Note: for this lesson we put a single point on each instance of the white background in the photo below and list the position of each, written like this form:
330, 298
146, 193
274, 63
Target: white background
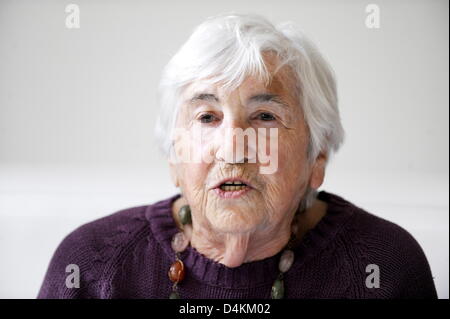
77, 109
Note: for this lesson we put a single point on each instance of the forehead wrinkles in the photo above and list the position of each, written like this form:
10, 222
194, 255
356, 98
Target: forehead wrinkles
281, 81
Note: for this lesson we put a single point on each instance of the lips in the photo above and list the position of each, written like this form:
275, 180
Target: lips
232, 188
231, 184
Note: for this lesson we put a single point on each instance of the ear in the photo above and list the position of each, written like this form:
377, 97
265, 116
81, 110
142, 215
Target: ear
318, 171
174, 174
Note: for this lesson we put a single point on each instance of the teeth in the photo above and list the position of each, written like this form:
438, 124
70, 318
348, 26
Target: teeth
233, 183
228, 188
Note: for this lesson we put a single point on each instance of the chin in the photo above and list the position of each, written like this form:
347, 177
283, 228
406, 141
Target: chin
235, 221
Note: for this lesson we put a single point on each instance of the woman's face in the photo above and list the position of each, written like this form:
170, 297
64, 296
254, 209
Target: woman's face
259, 201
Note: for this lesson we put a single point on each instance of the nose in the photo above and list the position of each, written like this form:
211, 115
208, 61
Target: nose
235, 140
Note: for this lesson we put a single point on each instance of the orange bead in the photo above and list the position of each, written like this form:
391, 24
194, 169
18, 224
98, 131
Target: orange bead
176, 271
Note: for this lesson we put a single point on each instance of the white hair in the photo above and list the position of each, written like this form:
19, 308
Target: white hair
229, 47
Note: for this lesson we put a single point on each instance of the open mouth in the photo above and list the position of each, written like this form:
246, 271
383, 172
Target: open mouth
233, 186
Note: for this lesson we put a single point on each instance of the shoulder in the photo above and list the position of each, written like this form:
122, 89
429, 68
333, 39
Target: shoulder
109, 230
365, 227
384, 238
375, 241
88, 252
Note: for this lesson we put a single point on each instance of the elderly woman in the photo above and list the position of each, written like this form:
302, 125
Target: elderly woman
249, 121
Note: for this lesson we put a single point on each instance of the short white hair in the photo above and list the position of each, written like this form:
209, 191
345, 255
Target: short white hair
229, 47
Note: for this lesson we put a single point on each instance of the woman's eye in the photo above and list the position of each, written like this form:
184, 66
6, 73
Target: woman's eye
266, 117
207, 118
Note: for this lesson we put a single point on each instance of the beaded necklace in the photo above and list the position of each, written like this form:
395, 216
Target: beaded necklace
180, 242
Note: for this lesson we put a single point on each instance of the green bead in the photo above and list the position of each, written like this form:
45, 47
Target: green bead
278, 289
185, 215
174, 295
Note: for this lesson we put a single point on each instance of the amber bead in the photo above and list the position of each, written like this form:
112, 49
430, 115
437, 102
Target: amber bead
176, 271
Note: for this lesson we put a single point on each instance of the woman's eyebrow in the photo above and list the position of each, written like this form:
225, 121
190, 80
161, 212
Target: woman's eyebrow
258, 98
204, 97
267, 97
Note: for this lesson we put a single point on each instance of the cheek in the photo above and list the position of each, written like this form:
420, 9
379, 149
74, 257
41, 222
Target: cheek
291, 178
292, 157
192, 181
193, 174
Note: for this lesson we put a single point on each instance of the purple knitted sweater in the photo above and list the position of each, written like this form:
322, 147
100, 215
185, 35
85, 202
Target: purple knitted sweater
128, 254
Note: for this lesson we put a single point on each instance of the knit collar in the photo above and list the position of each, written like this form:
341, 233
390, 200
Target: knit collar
252, 274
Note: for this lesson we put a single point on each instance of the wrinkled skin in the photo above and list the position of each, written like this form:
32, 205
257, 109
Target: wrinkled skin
256, 225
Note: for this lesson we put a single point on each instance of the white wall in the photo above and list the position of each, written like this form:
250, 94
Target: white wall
77, 109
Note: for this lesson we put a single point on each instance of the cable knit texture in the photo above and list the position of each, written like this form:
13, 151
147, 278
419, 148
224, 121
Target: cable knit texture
128, 254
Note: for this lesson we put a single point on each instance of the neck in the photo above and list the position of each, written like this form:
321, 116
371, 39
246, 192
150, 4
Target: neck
234, 249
